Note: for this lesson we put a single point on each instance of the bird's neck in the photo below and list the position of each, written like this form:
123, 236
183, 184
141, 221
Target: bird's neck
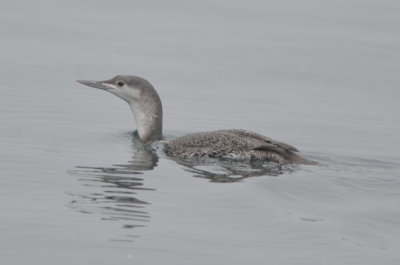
148, 116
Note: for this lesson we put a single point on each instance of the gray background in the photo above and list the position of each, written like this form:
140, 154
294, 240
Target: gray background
321, 75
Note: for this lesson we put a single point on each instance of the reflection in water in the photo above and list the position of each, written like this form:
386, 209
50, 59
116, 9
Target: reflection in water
114, 191
228, 170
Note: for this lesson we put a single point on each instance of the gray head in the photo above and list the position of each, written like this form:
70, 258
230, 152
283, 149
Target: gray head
143, 100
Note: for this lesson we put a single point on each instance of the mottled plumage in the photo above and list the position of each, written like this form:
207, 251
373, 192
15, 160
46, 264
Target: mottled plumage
233, 144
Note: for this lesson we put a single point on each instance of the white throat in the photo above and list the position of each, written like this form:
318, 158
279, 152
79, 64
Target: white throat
148, 117
140, 118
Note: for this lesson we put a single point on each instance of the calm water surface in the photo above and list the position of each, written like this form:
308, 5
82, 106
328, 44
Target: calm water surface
76, 187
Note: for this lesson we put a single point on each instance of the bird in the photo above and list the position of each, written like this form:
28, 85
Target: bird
146, 107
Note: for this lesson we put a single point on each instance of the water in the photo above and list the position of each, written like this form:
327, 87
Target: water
320, 75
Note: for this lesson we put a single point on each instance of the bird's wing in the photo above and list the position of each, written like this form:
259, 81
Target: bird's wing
264, 139
226, 141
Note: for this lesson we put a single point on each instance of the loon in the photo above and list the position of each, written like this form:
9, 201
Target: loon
146, 106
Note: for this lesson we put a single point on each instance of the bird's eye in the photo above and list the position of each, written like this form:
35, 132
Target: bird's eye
120, 83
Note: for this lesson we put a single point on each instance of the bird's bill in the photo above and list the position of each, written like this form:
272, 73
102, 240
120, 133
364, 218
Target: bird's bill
95, 84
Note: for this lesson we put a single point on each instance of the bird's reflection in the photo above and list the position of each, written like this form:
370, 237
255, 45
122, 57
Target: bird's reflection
114, 192
228, 171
